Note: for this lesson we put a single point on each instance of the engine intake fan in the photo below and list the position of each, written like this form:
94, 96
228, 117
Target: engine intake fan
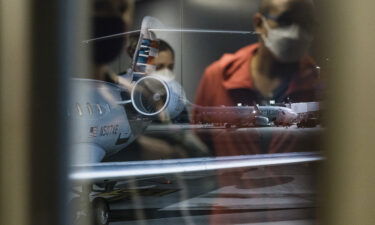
154, 95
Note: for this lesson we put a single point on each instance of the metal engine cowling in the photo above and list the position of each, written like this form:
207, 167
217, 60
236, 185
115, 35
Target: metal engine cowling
156, 96
261, 121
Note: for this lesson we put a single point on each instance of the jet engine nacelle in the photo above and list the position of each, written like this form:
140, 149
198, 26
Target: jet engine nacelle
261, 121
156, 96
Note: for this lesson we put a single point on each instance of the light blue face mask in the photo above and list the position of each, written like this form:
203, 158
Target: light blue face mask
287, 44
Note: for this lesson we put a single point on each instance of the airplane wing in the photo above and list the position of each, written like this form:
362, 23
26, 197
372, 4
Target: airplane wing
115, 171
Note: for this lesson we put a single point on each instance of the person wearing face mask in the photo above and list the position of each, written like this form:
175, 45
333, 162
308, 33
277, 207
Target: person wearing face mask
276, 68
164, 61
176, 144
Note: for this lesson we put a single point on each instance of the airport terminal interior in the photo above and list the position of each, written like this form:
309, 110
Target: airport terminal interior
191, 112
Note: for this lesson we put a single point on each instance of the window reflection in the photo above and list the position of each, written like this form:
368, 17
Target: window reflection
231, 99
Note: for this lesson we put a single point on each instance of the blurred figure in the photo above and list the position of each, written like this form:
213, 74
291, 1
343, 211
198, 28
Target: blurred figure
276, 68
164, 62
170, 145
109, 17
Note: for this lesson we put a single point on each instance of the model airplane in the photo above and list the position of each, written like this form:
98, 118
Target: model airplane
245, 116
106, 117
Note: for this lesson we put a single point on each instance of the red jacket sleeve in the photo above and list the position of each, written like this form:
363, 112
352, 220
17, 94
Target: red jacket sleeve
201, 96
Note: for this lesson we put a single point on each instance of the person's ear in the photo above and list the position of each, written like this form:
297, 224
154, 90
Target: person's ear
258, 23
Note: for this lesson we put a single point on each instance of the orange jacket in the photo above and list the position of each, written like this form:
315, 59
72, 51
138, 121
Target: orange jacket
228, 81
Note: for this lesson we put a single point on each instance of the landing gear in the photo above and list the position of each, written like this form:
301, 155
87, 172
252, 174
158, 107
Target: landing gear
86, 209
100, 211
107, 186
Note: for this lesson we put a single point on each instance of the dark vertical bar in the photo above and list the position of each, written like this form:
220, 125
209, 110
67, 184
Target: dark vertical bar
47, 143
55, 37
349, 176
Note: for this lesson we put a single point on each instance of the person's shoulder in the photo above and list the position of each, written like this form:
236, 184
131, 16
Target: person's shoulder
229, 61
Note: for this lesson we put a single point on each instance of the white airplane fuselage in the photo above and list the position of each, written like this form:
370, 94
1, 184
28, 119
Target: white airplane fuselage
100, 125
278, 114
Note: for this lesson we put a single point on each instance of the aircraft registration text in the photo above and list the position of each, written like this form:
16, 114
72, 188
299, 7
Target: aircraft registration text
104, 130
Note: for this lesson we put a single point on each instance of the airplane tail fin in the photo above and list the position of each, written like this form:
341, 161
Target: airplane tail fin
146, 49
256, 108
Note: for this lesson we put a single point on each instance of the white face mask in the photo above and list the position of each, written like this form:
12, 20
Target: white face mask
287, 44
166, 73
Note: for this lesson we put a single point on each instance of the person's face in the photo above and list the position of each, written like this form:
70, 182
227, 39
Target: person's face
286, 29
285, 13
164, 60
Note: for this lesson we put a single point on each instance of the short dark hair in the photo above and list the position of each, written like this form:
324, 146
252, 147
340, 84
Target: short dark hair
164, 46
